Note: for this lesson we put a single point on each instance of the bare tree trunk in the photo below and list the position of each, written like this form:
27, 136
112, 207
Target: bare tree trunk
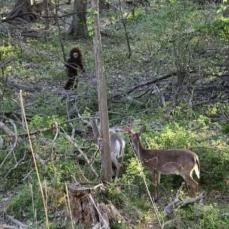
104, 5
57, 6
123, 20
78, 28
102, 98
46, 9
22, 10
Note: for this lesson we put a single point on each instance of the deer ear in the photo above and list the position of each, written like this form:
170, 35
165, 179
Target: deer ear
127, 130
135, 136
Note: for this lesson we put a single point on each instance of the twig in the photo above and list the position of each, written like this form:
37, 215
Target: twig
56, 135
7, 226
151, 82
123, 20
80, 151
105, 223
162, 97
177, 203
69, 207
17, 222
59, 30
144, 93
6, 62
6, 129
13, 134
16, 165
13, 84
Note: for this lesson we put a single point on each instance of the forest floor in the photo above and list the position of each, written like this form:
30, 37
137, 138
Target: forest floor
195, 116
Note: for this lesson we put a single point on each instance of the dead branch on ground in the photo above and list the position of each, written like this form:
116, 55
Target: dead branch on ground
6, 62
12, 134
80, 151
177, 203
16, 222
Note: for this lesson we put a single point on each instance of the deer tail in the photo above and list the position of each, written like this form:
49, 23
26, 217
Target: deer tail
197, 167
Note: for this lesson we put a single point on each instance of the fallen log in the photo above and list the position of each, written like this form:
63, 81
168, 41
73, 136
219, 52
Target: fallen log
177, 203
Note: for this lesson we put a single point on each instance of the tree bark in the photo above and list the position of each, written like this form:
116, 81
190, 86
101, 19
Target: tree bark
104, 5
102, 98
46, 10
22, 10
78, 28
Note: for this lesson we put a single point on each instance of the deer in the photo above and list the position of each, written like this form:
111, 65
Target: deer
117, 144
173, 161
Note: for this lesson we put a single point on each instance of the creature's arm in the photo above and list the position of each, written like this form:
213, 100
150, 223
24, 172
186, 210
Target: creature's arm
81, 66
67, 64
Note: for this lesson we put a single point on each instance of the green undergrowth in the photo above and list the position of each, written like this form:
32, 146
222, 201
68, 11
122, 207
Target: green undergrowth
154, 35
61, 165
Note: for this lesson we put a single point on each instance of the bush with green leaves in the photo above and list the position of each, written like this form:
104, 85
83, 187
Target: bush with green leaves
201, 217
214, 167
27, 204
172, 135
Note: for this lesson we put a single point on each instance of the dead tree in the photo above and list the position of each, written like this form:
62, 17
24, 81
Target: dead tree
84, 210
78, 28
102, 98
22, 12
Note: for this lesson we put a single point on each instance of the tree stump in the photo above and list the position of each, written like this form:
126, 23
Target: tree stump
85, 211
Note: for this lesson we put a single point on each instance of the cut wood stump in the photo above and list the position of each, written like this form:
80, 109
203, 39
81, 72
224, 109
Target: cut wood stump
85, 211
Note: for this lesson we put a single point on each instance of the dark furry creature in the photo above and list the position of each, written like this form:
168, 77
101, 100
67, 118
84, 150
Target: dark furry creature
74, 63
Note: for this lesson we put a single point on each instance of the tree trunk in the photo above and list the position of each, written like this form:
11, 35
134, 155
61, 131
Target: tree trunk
103, 5
46, 9
102, 98
22, 11
78, 28
84, 210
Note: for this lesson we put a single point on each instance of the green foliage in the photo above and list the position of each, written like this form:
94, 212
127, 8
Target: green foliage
172, 136
62, 146
7, 105
61, 172
132, 176
113, 194
47, 121
225, 127
211, 218
12, 174
6, 51
214, 167
132, 172
172, 35
91, 14
47, 104
27, 204
220, 28
21, 205
207, 216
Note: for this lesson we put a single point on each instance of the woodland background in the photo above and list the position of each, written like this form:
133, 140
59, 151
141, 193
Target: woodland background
166, 65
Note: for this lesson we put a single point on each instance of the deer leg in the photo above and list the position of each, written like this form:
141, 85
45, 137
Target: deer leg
191, 183
117, 166
156, 181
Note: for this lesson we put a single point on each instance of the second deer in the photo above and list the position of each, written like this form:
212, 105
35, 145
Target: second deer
117, 144
179, 162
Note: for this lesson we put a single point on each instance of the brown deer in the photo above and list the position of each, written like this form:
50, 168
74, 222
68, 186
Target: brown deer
179, 162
